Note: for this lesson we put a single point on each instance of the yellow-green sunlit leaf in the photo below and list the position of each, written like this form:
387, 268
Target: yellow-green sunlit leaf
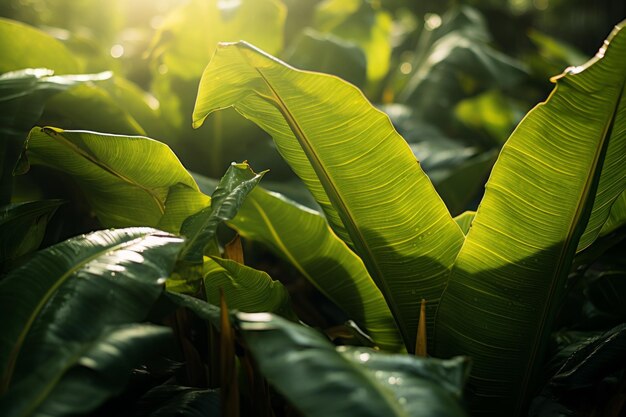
337, 143
549, 194
127, 180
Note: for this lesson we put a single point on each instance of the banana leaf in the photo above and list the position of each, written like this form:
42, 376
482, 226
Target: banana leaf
303, 238
201, 227
23, 95
69, 341
548, 196
617, 216
593, 361
89, 107
245, 289
337, 142
321, 380
464, 220
22, 227
127, 180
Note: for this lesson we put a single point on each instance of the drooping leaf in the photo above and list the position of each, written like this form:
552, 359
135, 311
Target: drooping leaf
23, 46
22, 227
127, 180
337, 143
303, 238
555, 178
321, 380
101, 371
69, 307
207, 312
245, 289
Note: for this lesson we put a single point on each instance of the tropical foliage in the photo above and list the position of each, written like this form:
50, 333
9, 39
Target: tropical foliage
363, 271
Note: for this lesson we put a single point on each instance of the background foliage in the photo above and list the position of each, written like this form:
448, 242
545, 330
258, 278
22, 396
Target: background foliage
455, 79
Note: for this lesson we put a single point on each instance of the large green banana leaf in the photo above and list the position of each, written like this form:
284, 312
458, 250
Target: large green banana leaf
127, 180
555, 181
321, 380
360, 171
67, 315
303, 238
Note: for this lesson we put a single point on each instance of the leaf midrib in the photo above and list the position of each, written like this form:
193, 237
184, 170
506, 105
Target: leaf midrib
331, 189
103, 166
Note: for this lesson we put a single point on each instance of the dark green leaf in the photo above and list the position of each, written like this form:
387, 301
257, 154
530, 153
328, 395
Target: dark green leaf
200, 228
455, 61
315, 51
320, 380
596, 359
64, 308
23, 95
207, 312
101, 372
178, 401
22, 227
